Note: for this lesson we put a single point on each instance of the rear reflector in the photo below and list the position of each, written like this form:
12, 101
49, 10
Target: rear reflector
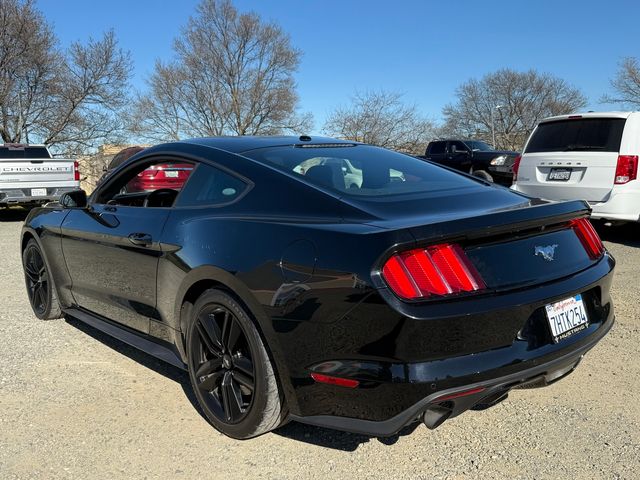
588, 237
626, 169
76, 171
341, 382
464, 393
516, 167
437, 270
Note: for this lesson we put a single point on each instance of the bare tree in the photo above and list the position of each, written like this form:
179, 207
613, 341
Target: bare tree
626, 84
70, 100
508, 104
233, 74
381, 118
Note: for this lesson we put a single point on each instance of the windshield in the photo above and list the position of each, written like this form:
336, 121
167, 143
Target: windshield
582, 134
362, 170
478, 145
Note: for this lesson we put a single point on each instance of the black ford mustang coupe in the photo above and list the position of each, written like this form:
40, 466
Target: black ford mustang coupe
324, 281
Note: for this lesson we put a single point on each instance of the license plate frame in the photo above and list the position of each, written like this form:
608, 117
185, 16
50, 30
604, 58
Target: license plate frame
38, 192
566, 317
559, 174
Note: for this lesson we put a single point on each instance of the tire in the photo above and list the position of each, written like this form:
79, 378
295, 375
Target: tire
230, 370
483, 175
40, 287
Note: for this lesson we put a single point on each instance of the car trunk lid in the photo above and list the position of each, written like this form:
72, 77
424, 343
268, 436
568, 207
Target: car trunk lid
509, 248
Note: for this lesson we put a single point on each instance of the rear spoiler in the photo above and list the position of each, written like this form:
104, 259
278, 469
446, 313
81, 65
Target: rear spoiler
502, 222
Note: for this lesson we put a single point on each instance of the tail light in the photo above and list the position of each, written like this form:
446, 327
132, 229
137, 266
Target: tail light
150, 172
437, 270
76, 171
588, 237
626, 169
516, 167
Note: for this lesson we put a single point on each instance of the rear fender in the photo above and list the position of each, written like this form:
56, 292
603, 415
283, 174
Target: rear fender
239, 290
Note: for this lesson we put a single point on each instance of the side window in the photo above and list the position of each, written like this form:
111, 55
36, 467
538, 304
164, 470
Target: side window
153, 183
457, 147
437, 148
210, 186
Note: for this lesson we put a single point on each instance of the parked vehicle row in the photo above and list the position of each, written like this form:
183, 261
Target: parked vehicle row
288, 294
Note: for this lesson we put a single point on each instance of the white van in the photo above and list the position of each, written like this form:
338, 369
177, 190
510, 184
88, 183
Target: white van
589, 156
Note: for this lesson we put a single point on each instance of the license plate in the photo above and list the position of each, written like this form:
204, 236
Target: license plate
567, 317
559, 174
170, 174
38, 192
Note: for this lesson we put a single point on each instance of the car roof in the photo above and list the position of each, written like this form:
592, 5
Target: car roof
246, 143
612, 114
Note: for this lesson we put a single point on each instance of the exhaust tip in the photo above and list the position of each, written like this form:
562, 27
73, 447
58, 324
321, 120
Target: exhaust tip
435, 416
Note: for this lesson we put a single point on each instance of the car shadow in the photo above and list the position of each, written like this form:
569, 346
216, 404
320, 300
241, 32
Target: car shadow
335, 439
138, 356
323, 437
13, 214
625, 234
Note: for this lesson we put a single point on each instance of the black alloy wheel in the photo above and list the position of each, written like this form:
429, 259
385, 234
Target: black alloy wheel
40, 289
230, 369
224, 367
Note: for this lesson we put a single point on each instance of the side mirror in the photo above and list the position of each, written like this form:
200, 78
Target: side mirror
74, 199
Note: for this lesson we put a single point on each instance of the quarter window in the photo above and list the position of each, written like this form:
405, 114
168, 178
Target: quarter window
210, 186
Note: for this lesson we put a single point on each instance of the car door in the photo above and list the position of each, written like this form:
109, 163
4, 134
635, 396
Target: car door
112, 249
437, 152
458, 156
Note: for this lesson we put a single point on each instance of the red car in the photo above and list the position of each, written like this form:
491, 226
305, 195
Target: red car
164, 175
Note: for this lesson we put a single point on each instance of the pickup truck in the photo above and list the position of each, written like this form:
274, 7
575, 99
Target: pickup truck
30, 175
474, 157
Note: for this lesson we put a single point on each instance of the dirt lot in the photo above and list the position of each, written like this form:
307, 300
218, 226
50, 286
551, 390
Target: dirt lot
77, 404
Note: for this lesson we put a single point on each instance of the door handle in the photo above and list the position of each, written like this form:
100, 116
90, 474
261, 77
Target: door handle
141, 239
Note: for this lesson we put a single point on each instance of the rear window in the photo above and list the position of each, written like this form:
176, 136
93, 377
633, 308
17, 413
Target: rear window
578, 135
362, 171
23, 152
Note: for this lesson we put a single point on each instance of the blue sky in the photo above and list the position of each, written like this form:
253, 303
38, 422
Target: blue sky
423, 49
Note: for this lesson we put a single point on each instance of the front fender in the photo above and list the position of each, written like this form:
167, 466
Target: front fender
43, 225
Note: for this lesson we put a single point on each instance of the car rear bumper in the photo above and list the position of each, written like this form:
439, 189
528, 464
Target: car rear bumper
23, 196
494, 343
622, 203
623, 206
445, 404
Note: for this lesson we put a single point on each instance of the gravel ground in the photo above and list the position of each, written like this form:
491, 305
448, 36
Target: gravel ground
77, 404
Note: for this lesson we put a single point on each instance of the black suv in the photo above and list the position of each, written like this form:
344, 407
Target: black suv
475, 157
